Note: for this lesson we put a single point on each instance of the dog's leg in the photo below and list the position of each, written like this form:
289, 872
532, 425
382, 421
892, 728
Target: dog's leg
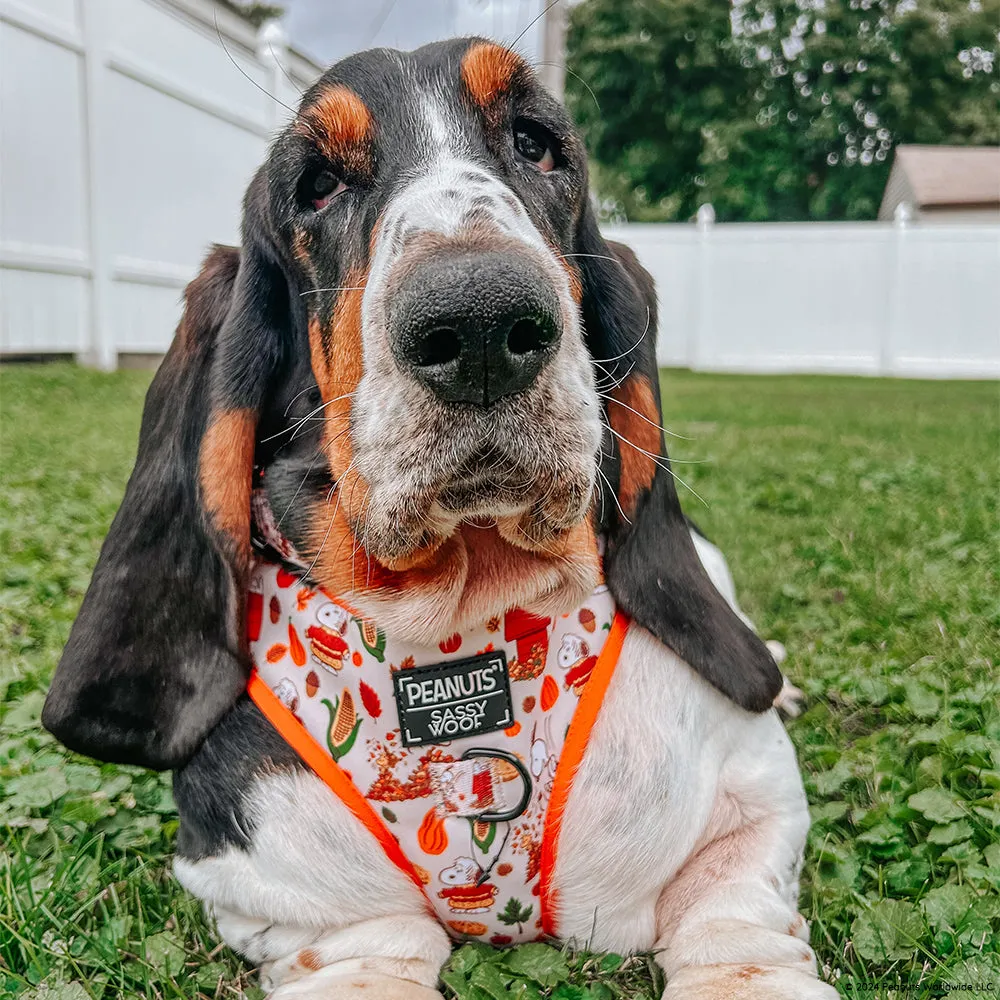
392, 958
728, 927
311, 899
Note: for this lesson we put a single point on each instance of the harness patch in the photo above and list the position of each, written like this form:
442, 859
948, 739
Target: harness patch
448, 701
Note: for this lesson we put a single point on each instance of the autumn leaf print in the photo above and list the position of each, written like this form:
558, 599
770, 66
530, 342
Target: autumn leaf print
515, 913
370, 700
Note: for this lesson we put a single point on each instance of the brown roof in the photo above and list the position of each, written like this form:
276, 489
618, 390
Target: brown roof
951, 175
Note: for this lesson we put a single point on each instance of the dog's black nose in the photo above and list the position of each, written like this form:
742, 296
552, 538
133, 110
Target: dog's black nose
474, 325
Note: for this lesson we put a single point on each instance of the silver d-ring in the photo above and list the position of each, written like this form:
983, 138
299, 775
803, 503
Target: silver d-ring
504, 817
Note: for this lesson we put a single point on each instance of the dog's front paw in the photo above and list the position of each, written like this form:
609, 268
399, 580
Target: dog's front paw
329, 984
746, 982
790, 700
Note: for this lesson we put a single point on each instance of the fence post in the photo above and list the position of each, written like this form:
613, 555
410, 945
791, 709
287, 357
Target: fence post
891, 337
102, 350
700, 335
272, 51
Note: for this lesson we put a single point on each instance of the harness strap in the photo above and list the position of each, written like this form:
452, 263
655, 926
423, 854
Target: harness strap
326, 768
577, 737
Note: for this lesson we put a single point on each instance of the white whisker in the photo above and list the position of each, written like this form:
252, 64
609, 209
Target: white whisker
337, 288
659, 460
611, 490
642, 337
659, 427
335, 488
302, 420
601, 388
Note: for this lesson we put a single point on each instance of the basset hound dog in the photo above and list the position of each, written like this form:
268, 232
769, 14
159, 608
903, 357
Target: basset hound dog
401, 588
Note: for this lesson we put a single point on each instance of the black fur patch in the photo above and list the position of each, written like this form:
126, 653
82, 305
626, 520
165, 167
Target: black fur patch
210, 790
152, 663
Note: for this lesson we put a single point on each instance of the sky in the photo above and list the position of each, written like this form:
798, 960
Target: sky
330, 29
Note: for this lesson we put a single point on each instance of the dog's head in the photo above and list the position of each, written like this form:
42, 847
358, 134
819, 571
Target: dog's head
449, 380
427, 204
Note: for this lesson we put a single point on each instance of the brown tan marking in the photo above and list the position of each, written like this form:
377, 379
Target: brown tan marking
636, 422
335, 353
310, 959
341, 126
456, 580
487, 70
301, 251
336, 357
573, 273
225, 473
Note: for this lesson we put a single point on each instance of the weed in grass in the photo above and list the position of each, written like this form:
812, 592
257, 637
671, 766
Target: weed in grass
859, 517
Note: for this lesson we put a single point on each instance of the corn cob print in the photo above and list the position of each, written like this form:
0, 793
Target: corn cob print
372, 637
344, 725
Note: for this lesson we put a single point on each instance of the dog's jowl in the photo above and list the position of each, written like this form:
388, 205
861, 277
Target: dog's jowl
401, 588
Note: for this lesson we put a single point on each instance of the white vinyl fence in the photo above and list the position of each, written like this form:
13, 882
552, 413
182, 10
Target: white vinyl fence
129, 130
865, 298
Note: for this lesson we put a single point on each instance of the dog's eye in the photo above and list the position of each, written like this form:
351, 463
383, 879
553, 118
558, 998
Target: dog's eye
325, 186
535, 144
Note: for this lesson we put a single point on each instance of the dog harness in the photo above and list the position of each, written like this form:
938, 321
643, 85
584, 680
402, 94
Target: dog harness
457, 757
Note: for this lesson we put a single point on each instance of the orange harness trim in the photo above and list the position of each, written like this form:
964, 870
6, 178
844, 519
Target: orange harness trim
339, 782
326, 768
572, 756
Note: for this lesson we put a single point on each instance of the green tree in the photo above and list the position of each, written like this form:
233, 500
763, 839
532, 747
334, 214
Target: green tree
257, 13
817, 94
647, 78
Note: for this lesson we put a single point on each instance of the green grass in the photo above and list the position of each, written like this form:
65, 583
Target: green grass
859, 518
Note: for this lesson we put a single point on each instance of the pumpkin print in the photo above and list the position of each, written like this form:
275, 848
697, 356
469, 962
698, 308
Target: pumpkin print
432, 836
550, 692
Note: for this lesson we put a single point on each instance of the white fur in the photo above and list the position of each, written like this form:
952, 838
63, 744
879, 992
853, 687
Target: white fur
719, 573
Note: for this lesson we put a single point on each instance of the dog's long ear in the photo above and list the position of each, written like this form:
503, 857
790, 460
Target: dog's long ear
156, 654
651, 565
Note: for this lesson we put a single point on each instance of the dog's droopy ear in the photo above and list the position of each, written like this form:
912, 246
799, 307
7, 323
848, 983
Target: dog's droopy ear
651, 565
156, 654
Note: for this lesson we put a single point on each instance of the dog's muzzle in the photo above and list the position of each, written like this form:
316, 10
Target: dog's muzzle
474, 326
